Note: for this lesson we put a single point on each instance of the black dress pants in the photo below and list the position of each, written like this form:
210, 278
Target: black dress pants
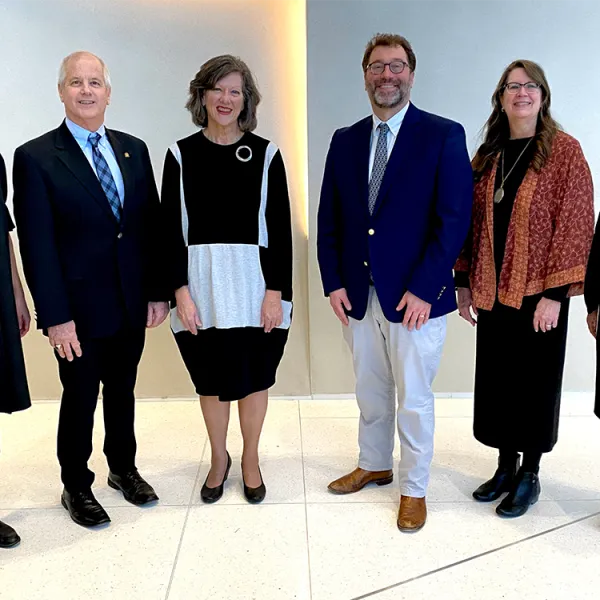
113, 362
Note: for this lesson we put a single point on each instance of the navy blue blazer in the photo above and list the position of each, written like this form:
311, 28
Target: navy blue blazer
80, 264
419, 223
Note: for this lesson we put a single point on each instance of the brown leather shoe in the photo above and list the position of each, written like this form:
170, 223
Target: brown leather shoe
412, 514
355, 481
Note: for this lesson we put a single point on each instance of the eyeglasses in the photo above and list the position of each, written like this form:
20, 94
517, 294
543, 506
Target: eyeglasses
396, 67
514, 88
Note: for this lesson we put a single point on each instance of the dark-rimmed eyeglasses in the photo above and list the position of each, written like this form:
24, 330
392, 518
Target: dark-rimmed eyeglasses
396, 67
514, 87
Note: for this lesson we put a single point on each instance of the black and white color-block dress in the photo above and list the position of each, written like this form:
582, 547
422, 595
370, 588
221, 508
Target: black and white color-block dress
229, 239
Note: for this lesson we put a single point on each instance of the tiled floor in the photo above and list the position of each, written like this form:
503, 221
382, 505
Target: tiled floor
301, 543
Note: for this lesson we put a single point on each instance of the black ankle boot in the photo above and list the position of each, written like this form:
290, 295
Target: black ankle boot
499, 484
524, 493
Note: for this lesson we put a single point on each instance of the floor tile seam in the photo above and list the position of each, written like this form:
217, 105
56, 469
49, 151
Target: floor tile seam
476, 557
185, 521
310, 594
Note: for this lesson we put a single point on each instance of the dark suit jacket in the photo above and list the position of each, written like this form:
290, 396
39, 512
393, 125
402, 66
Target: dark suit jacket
14, 393
420, 221
79, 263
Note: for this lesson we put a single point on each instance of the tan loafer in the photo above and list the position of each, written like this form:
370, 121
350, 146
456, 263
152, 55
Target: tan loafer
412, 514
355, 481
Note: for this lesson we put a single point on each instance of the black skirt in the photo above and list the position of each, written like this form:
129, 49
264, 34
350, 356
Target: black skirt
518, 378
14, 393
232, 363
597, 407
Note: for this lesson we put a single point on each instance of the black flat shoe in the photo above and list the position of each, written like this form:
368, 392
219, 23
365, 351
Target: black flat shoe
524, 493
134, 487
499, 484
255, 495
9, 538
210, 495
84, 509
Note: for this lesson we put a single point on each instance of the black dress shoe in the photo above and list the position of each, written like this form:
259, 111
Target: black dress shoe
255, 495
499, 484
210, 495
84, 508
134, 487
8, 536
524, 493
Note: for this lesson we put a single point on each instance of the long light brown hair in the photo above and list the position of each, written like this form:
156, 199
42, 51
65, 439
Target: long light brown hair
496, 131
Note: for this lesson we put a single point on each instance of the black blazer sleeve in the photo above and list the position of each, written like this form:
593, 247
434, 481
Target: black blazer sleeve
592, 278
276, 259
156, 278
35, 220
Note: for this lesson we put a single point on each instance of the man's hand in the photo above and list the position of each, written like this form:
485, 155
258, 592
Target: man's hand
157, 313
592, 322
417, 311
63, 338
339, 300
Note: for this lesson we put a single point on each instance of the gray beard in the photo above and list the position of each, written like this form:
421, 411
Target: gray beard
387, 101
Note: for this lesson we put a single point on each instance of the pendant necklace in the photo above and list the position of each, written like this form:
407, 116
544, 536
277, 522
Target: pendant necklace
500, 191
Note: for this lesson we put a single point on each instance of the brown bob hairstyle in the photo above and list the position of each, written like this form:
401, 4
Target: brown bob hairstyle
496, 131
210, 73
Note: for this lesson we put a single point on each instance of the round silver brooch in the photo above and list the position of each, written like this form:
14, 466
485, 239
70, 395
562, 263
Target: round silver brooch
244, 153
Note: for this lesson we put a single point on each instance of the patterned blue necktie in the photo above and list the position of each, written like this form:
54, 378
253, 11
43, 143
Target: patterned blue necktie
105, 176
379, 163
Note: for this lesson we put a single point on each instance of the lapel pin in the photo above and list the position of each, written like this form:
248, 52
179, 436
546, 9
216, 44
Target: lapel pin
126, 154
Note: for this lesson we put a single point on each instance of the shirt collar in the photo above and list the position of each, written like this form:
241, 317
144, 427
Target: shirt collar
81, 134
394, 123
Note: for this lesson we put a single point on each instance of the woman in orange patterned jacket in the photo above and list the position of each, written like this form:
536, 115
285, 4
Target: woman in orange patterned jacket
526, 255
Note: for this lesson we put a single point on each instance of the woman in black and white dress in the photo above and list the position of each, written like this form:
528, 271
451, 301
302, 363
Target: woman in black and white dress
227, 214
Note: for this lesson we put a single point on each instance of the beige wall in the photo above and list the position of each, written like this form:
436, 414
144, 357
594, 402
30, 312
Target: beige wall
153, 49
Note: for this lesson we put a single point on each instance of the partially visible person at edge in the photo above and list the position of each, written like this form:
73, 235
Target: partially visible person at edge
592, 301
14, 324
228, 227
532, 226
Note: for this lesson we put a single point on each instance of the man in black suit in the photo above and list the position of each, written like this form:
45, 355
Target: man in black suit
86, 207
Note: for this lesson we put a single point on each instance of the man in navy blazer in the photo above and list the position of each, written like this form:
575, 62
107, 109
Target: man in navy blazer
86, 207
394, 212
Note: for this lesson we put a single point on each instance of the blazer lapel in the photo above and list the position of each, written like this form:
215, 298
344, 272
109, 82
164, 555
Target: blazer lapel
75, 160
405, 145
123, 155
361, 154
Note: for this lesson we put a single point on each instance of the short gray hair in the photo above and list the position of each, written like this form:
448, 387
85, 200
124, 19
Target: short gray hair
64, 65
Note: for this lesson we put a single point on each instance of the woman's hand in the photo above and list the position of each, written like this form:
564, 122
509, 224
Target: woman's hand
271, 315
23, 315
546, 315
187, 311
592, 321
466, 309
